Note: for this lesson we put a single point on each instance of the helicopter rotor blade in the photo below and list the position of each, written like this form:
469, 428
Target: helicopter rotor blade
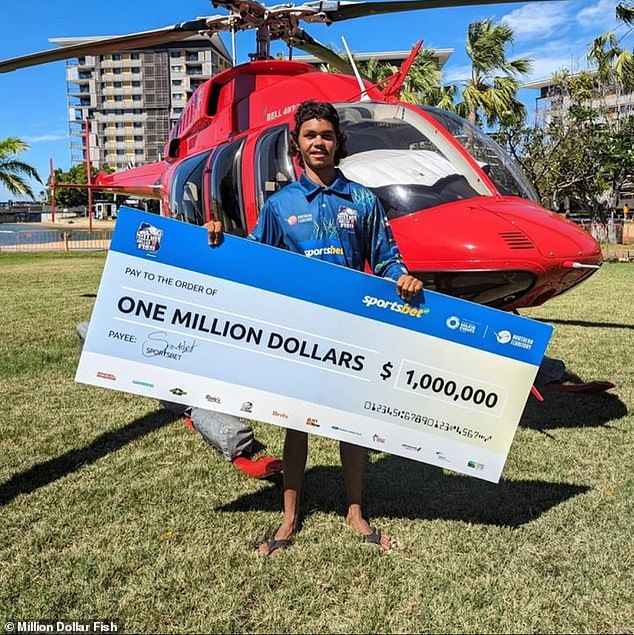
98, 46
335, 11
302, 40
279, 21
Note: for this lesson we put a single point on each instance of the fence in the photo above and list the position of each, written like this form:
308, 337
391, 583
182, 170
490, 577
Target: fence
54, 240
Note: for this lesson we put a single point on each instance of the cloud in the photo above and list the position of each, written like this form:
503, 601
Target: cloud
599, 17
539, 21
456, 74
45, 138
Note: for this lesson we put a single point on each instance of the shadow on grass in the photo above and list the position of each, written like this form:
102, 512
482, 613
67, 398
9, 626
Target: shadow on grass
603, 325
49, 471
571, 409
400, 488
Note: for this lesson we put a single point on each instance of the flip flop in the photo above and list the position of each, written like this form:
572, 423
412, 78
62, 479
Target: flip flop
272, 544
374, 538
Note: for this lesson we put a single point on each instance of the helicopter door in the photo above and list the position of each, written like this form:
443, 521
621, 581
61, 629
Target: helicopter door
186, 196
226, 188
273, 165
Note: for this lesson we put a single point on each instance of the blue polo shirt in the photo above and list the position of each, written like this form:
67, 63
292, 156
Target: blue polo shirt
343, 223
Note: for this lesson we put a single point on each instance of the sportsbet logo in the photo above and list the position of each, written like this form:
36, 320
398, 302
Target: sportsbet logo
370, 300
324, 251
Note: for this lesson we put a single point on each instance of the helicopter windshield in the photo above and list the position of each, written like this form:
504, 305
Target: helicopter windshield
404, 159
501, 169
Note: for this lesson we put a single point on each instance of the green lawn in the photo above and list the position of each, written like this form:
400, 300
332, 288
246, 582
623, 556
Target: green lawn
111, 508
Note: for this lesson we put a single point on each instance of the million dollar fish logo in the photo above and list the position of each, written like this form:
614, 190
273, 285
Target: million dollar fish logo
148, 237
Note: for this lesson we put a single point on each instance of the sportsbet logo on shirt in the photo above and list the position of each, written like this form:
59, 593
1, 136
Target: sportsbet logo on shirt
331, 250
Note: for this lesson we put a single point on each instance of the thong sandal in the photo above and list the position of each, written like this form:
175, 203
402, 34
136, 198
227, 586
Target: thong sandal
272, 545
374, 538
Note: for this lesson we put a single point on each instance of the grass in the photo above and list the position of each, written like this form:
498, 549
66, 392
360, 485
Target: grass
111, 508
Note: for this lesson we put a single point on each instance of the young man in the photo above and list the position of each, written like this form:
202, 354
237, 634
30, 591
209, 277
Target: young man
342, 222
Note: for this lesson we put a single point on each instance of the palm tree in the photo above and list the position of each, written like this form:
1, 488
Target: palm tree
422, 84
625, 13
614, 63
492, 88
13, 173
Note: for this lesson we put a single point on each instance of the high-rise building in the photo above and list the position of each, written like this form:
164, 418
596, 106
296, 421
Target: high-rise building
131, 99
553, 104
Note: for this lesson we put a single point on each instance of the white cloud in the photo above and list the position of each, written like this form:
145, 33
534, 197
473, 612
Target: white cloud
45, 138
456, 74
538, 20
599, 16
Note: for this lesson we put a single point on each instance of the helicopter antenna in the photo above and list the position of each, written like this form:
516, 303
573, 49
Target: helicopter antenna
364, 93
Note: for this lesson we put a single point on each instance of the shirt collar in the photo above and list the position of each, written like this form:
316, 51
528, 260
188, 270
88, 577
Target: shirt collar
340, 185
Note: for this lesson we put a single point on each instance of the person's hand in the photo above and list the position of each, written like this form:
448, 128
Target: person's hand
214, 232
408, 286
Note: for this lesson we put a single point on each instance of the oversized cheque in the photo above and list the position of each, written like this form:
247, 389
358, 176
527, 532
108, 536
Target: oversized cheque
274, 336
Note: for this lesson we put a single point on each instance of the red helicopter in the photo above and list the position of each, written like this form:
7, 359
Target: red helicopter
466, 219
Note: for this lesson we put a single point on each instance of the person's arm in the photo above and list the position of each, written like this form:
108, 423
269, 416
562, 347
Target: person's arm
385, 258
267, 230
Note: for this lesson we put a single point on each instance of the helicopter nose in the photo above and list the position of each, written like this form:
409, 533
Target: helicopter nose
506, 254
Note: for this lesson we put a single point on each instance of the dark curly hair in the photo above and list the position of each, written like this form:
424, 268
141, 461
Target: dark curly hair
308, 110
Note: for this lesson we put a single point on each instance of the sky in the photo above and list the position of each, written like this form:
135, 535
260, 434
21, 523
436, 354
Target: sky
33, 102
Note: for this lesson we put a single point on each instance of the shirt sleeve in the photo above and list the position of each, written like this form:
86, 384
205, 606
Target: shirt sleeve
267, 230
382, 251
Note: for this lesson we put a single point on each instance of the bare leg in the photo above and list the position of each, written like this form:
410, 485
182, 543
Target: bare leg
353, 463
295, 455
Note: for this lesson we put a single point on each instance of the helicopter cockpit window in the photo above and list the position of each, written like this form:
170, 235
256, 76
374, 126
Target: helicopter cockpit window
501, 169
404, 159
226, 188
273, 165
186, 196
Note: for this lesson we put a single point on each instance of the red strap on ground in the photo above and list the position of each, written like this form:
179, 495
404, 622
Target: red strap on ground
261, 467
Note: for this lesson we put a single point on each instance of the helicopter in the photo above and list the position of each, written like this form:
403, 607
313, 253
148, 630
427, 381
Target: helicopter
466, 220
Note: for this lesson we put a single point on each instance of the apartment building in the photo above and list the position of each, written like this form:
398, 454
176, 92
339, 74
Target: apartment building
552, 103
130, 100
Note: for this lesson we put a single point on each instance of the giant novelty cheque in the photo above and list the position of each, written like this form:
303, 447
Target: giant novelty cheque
274, 336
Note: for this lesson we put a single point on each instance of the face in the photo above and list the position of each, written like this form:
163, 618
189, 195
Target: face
317, 144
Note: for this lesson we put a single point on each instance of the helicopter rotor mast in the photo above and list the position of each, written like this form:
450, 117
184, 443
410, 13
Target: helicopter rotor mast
278, 22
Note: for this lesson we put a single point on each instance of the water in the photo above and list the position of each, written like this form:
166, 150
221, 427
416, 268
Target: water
31, 233
15, 227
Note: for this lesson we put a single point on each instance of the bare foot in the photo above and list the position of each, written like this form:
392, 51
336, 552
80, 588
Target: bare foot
371, 535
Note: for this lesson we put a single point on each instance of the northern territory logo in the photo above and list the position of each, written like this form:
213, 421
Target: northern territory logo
148, 237
520, 341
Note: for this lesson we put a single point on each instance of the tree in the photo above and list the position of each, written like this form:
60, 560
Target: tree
580, 154
422, 84
615, 64
13, 173
74, 196
491, 90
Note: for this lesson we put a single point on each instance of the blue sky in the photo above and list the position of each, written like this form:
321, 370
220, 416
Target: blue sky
33, 102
